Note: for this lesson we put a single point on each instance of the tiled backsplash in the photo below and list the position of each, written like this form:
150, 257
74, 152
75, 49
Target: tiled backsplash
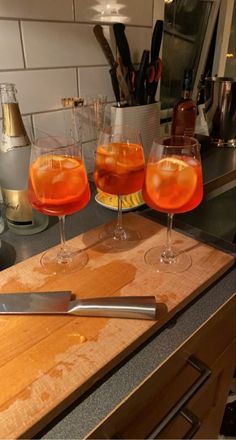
48, 49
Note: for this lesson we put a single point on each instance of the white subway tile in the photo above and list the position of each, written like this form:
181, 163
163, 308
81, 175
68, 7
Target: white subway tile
94, 81
37, 9
60, 44
139, 39
67, 121
42, 90
54, 123
89, 149
138, 12
11, 56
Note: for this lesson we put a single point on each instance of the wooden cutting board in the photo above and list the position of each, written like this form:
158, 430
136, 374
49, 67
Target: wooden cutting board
44, 363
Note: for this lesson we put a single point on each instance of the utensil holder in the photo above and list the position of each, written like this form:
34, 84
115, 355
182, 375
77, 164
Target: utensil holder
146, 118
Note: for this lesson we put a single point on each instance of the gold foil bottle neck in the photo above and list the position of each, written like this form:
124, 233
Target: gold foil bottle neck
12, 121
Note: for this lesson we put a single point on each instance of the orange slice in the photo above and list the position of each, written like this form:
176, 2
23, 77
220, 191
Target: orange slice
172, 164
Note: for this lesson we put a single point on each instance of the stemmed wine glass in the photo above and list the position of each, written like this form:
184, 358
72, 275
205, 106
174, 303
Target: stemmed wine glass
173, 184
119, 170
58, 186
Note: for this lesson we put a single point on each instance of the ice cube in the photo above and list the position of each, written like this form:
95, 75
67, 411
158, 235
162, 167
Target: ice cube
58, 178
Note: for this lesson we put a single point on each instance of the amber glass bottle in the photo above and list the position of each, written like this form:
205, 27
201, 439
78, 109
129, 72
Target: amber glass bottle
185, 110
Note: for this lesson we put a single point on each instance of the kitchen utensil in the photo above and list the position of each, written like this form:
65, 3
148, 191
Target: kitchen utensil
153, 75
156, 40
98, 32
141, 78
155, 67
59, 302
123, 46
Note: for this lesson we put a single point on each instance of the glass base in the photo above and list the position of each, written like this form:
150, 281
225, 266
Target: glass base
179, 261
119, 239
54, 264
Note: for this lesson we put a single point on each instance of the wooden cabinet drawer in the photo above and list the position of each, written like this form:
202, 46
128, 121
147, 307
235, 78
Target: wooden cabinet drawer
188, 380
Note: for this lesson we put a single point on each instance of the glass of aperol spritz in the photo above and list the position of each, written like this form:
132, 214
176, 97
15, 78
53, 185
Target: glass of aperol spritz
173, 184
119, 170
58, 186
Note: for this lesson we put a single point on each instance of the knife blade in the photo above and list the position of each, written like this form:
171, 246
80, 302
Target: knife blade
60, 303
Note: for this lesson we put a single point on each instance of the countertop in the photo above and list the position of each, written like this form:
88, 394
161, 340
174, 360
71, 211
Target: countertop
86, 412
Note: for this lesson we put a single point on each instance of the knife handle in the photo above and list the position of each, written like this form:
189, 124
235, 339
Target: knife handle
156, 40
98, 32
122, 43
136, 307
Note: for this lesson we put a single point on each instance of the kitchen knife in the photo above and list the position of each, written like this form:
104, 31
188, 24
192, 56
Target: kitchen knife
155, 63
98, 31
156, 40
118, 81
60, 303
153, 75
141, 78
123, 47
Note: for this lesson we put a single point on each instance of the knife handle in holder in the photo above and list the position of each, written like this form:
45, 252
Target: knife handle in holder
136, 307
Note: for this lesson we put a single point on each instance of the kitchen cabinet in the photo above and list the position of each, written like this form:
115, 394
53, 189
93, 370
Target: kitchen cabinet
185, 396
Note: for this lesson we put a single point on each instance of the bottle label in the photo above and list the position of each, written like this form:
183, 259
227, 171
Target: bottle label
17, 206
8, 143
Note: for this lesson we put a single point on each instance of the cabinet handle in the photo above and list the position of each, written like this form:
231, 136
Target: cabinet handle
194, 420
205, 372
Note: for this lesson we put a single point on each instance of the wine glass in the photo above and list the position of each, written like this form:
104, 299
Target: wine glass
58, 186
119, 170
173, 184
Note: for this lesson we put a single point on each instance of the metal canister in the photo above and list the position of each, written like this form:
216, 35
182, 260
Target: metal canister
220, 110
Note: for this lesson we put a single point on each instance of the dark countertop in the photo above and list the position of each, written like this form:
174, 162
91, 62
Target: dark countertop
86, 412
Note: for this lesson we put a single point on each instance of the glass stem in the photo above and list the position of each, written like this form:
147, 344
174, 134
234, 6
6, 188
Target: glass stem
119, 224
63, 255
119, 233
168, 255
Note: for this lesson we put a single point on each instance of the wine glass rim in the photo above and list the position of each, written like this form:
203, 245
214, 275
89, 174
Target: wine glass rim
110, 129
167, 141
72, 142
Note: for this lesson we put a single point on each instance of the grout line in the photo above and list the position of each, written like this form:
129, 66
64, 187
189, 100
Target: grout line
77, 81
91, 23
73, 8
32, 69
22, 43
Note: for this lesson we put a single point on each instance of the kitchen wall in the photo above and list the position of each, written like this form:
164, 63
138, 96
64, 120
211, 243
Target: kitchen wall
48, 49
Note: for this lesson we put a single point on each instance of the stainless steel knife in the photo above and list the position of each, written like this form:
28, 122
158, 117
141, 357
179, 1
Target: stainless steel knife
60, 302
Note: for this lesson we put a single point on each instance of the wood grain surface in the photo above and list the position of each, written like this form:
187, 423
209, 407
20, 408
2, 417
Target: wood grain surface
44, 363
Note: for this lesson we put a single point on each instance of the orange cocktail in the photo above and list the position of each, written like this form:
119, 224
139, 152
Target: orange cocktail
58, 184
119, 168
173, 184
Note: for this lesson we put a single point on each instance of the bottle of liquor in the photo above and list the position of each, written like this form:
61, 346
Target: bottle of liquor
185, 110
15, 150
